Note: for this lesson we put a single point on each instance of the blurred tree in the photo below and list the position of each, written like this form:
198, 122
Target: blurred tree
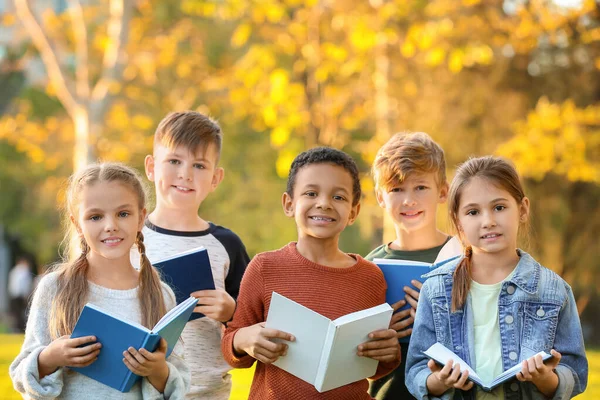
84, 90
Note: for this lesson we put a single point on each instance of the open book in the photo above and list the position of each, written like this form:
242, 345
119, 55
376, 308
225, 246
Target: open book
187, 272
117, 335
441, 354
324, 352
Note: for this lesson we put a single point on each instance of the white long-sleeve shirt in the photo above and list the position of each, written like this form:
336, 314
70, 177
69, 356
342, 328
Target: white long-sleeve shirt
70, 385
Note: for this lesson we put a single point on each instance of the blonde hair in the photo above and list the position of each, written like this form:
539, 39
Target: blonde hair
72, 290
189, 129
405, 154
498, 172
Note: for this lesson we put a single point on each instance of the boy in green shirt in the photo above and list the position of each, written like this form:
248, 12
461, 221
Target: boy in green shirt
410, 182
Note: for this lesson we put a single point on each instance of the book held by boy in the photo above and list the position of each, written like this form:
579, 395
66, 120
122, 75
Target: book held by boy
117, 335
441, 354
324, 353
400, 273
187, 272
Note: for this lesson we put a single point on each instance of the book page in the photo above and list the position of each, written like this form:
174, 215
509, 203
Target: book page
344, 366
511, 372
442, 354
308, 327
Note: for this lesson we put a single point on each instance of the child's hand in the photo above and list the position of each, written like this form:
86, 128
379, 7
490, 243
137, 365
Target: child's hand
216, 304
541, 375
444, 378
383, 346
401, 320
152, 365
412, 295
65, 352
255, 341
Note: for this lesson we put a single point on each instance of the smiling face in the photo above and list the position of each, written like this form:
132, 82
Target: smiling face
489, 217
109, 218
322, 201
413, 203
183, 179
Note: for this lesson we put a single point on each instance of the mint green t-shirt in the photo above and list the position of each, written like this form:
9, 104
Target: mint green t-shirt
487, 346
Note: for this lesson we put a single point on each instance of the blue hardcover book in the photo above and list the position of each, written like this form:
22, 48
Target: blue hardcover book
399, 273
187, 272
117, 335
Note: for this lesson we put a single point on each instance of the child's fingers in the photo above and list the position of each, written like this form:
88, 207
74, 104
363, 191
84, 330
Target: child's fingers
462, 380
273, 347
204, 293
525, 371
382, 334
277, 334
133, 353
433, 366
555, 360
455, 374
389, 353
401, 325
417, 284
412, 301
445, 372
81, 351
131, 367
81, 341
85, 360
404, 333
397, 305
400, 315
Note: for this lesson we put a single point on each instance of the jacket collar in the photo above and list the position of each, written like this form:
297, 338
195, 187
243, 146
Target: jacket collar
526, 276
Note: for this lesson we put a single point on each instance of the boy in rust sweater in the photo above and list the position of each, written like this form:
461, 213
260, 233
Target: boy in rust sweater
323, 194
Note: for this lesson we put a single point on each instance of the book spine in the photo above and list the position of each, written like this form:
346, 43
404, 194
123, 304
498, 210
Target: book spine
150, 343
325, 354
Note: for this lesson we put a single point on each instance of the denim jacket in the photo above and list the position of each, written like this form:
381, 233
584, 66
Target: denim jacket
536, 311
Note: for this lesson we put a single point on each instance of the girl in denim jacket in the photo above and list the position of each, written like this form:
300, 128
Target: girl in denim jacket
495, 306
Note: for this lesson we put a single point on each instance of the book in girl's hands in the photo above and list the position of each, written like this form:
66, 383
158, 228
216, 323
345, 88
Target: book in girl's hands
324, 353
187, 272
117, 335
441, 354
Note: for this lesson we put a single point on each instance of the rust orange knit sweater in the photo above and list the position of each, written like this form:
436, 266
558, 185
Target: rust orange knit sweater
332, 292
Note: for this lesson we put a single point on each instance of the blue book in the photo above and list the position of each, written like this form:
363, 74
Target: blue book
187, 272
399, 273
117, 335
441, 354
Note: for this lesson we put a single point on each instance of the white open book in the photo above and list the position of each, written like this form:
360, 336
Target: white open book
324, 352
441, 354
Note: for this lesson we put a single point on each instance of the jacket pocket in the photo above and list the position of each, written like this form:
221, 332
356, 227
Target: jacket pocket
539, 326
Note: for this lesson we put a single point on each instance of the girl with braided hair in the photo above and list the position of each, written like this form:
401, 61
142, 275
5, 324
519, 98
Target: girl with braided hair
105, 210
496, 307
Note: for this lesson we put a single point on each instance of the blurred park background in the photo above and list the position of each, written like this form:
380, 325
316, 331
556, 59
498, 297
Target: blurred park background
82, 80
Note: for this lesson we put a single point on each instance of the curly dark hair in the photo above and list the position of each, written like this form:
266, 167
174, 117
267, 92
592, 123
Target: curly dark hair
325, 155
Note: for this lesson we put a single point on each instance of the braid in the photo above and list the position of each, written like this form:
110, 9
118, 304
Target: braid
150, 292
462, 280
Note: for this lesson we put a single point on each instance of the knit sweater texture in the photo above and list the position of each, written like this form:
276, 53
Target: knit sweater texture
332, 292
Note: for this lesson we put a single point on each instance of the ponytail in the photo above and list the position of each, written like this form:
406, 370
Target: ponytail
462, 280
150, 292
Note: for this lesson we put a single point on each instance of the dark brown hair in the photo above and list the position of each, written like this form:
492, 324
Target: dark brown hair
498, 172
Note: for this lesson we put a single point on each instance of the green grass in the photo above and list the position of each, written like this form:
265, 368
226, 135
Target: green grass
11, 344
